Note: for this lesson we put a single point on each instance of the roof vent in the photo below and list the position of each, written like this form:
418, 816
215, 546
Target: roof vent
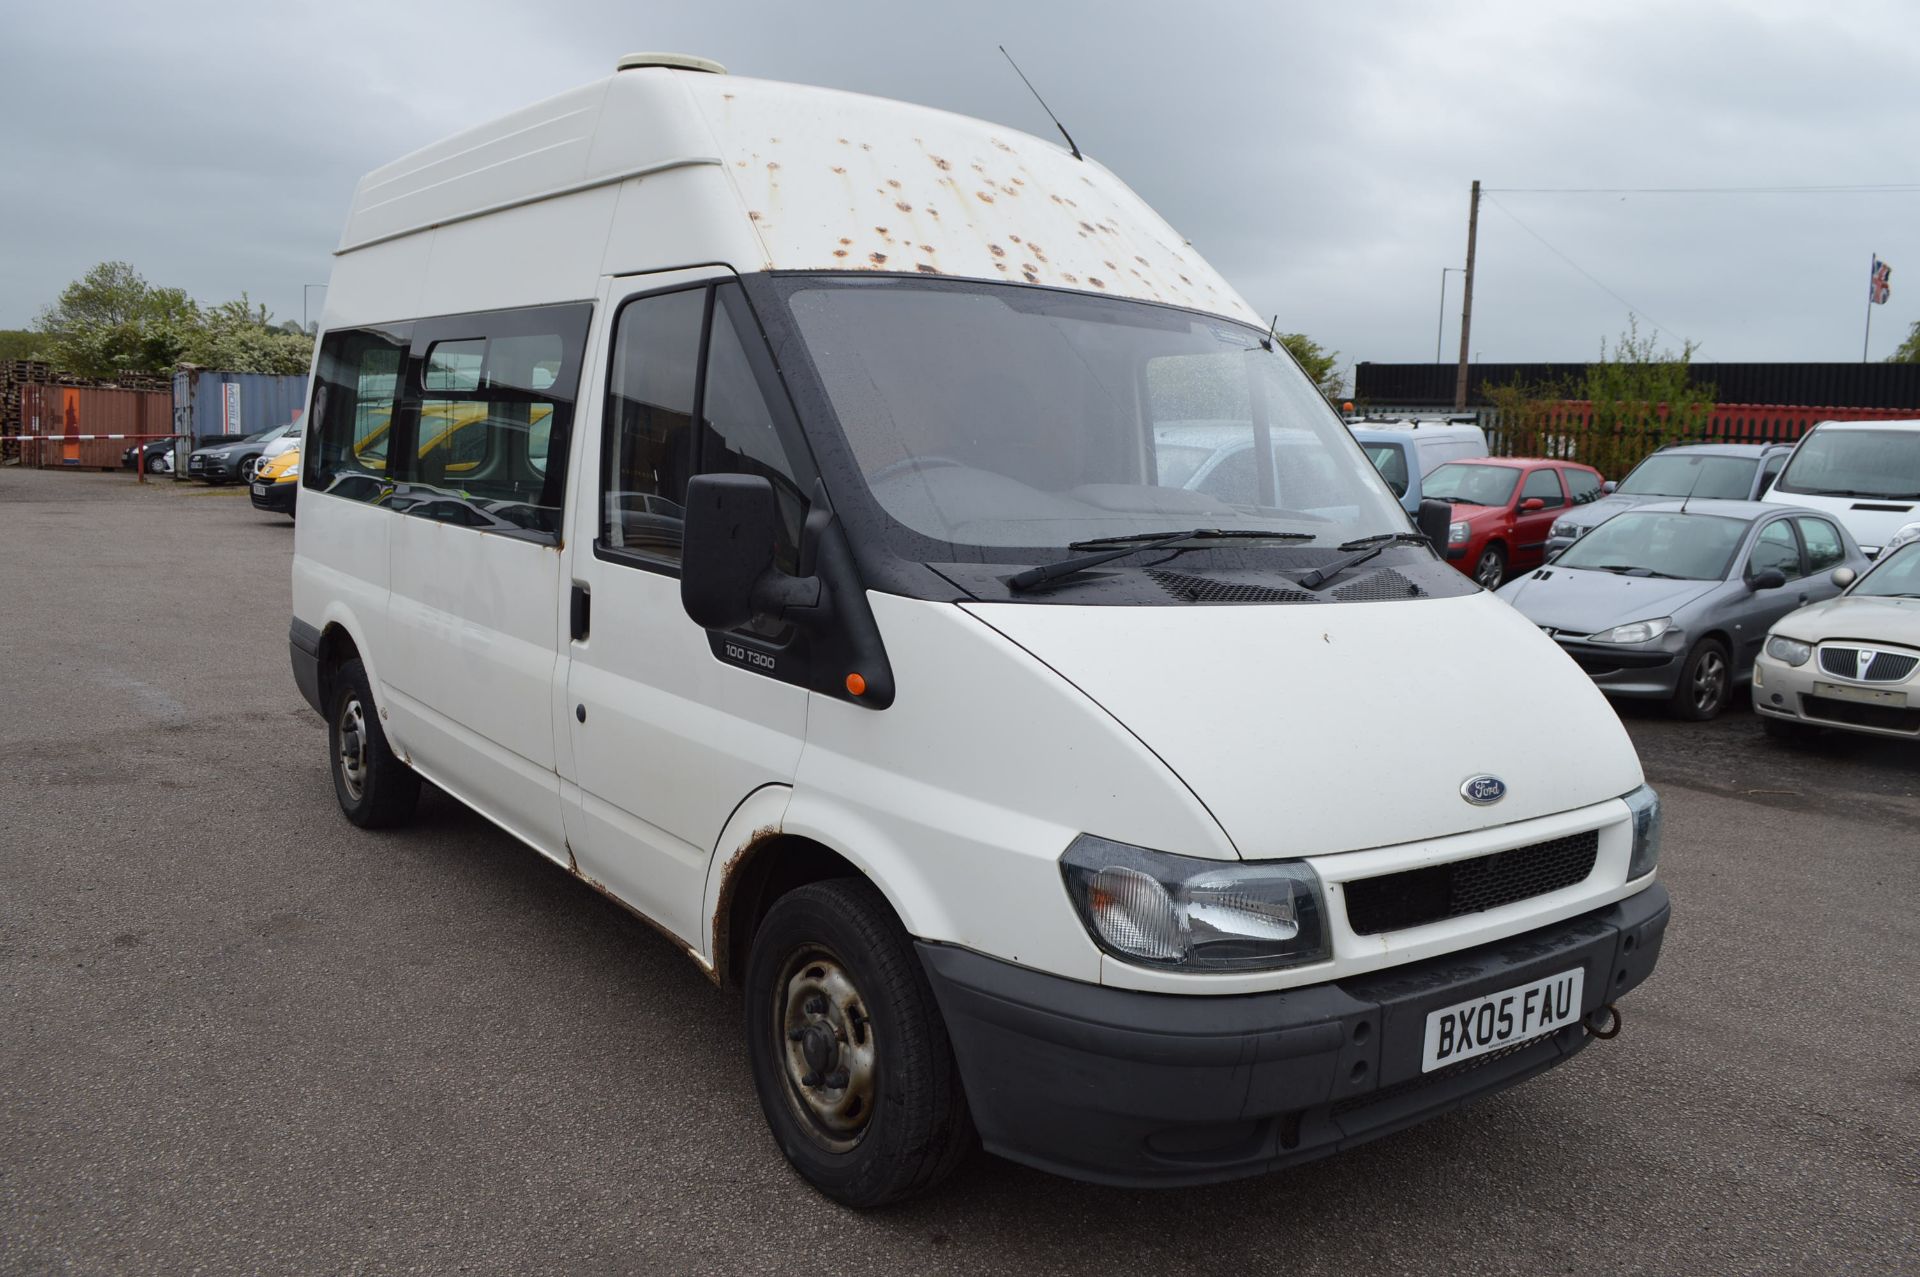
677, 61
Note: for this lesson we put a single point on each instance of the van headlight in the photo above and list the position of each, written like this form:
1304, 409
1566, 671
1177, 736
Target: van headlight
1908, 532
1791, 651
1456, 533
1156, 909
1564, 528
1645, 806
1634, 631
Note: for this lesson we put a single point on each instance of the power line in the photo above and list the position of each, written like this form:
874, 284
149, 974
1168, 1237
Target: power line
1852, 188
1588, 275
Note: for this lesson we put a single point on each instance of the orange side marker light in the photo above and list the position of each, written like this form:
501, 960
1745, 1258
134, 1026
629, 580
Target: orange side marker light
856, 686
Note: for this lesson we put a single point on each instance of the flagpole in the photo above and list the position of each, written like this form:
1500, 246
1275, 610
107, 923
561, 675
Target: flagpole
1873, 261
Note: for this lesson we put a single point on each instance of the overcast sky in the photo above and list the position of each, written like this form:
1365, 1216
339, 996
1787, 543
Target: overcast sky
1319, 155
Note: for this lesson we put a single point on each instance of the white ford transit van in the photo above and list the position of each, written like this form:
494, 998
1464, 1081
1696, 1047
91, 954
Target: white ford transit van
773, 506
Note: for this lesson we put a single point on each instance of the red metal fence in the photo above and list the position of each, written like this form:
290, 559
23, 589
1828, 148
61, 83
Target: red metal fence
1566, 429
87, 410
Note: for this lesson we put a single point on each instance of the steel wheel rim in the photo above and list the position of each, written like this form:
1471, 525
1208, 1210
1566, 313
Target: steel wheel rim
1489, 573
829, 1059
1709, 681
352, 750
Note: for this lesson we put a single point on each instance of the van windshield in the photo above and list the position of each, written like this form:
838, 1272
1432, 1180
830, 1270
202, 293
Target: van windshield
993, 417
1855, 463
1677, 474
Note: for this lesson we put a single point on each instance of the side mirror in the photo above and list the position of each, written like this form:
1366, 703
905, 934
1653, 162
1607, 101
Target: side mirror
1843, 577
1435, 520
1531, 504
1767, 579
727, 573
1608, 486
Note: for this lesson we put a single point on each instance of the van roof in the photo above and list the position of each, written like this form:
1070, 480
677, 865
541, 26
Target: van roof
822, 179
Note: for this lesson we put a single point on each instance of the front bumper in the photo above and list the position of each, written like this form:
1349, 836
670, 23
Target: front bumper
1787, 691
1149, 1089
277, 497
1649, 670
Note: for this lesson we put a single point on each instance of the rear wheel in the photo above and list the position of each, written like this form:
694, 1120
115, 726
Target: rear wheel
849, 1054
1491, 570
1706, 682
376, 790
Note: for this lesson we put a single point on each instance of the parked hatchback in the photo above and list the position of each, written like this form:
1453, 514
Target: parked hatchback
1503, 508
1672, 601
1721, 471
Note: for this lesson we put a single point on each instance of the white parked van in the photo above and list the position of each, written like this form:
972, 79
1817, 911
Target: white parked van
1866, 474
773, 506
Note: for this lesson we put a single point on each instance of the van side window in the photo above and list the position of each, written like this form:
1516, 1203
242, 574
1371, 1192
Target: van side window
658, 391
357, 385
491, 405
649, 422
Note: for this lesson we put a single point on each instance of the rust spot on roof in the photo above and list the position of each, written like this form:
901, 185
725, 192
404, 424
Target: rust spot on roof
932, 211
882, 230
865, 146
841, 171
927, 248
1070, 278
894, 182
1109, 266
1002, 145
1008, 190
1095, 281
878, 259
739, 163
925, 269
842, 141
1087, 226
753, 215
1140, 259
1033, 276
1019, 181
903, 206
1185, 280
1035, 250
1014, 238
839, 252
983, 197
846, 241
996, 250
772, 165
940, 164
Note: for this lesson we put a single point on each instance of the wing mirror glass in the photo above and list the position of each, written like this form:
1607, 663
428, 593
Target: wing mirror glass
1843, 577
727, 572
1435, 521
1767, 579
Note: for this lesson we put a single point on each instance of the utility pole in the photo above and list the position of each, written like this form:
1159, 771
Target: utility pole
1440, 325
1466, 303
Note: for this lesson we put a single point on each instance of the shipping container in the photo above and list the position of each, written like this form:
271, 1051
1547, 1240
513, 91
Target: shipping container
87, 410
209, 404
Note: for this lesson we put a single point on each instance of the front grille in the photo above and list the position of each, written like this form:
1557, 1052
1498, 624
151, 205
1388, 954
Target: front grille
1394, 902
1882, 667
1201, 589
1890, 717
1382, 587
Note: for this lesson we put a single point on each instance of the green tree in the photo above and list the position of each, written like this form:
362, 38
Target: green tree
19, 343
113, 320
1319, 364
238, 336
1909, 351
1642, 398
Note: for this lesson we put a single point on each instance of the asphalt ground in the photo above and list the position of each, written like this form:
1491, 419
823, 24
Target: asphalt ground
239, 1035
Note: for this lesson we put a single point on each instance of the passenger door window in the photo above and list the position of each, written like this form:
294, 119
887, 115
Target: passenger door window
1544, 484
358, 384
1776, 548
1825, 549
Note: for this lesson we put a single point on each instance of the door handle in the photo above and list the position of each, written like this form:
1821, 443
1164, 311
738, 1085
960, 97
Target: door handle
579, 613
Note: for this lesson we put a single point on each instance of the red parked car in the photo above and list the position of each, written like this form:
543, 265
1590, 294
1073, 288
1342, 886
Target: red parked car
1503, 508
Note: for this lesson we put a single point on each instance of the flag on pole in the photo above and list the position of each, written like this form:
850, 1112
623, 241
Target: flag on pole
1878, 287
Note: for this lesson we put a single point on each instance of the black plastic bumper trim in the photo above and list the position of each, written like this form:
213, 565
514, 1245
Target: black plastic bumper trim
1138, 1089
303, 645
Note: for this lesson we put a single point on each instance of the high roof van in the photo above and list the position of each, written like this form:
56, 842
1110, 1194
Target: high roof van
783, 510
1866, 474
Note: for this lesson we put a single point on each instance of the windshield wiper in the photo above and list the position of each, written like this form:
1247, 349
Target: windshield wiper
1460, 500
1374, 545
1624, 569
1134, 544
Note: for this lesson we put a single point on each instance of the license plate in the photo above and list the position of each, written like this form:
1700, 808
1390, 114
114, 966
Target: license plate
259, 489
1864, 695
1479, 1025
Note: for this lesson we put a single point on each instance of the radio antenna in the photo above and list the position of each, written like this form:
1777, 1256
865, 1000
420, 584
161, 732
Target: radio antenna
1042, 101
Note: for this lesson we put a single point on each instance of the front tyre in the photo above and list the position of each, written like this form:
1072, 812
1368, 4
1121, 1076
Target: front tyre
849, 1054
376, 790
1491, 570
1706, 682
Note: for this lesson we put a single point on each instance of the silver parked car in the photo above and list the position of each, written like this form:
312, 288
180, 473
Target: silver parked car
1851, 662
1723, 471
1673, 600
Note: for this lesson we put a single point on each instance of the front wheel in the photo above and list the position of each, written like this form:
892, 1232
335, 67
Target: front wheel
1491, 570
376, 790
849, 1054
1706, 682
